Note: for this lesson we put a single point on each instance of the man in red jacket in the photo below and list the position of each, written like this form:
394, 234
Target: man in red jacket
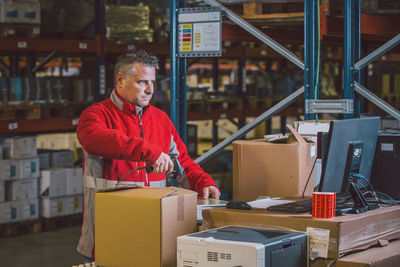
124, 132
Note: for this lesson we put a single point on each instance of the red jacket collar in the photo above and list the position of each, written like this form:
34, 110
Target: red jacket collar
126, 106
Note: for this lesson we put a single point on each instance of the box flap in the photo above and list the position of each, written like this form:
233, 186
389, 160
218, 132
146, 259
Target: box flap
147, 192
298, 137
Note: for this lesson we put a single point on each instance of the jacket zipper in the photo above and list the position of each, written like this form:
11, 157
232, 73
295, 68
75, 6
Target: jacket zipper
141, 135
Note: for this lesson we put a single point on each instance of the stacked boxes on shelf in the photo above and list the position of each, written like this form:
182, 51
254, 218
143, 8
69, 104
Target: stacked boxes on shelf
61, 183
19, 173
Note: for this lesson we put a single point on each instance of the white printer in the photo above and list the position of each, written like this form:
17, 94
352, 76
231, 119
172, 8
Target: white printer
242, 246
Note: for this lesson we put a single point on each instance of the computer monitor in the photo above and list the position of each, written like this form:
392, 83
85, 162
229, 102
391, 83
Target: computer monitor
350, 148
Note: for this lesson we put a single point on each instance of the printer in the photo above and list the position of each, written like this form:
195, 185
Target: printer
242, 246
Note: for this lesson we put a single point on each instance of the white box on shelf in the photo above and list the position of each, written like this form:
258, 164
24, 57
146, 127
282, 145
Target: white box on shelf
52, 207
62, 159
23, 147
74, 204
21, 189
24, 168
5, 170
2, 191
29, 209
53, 182
74, 181
58, 141
11, 212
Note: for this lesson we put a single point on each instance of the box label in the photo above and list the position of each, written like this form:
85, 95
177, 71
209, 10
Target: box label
33, 167
319, 242
13, 170
13, 213
32, 209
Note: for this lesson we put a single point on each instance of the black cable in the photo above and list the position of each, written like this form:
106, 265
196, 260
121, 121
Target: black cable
148, 170
309, 176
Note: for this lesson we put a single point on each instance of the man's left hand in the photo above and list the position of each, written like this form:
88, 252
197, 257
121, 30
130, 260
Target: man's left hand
211, 192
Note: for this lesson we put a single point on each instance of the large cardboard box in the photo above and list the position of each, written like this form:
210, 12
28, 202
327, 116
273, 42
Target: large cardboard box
57, 141
262, 168
140, 226
329, 238
387, 256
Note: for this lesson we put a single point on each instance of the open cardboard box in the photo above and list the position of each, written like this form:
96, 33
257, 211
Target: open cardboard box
329, 238
139, 227
262, 168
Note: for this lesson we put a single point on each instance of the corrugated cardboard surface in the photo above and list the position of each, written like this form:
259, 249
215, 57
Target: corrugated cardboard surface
138, 227
345, 232
261, 168
388, 256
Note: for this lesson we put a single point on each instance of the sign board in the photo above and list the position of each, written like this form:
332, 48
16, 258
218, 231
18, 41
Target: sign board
200, 32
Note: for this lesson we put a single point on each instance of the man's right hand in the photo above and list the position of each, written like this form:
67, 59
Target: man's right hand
163, 164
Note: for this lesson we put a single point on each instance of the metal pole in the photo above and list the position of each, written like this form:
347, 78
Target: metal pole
310, 53
377, 101
242, 132
258, 34
377, 53
174, 71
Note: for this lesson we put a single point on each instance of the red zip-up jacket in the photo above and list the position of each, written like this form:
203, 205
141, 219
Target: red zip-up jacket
117, 140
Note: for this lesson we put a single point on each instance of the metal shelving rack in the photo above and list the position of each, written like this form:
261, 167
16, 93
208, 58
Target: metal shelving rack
350, 105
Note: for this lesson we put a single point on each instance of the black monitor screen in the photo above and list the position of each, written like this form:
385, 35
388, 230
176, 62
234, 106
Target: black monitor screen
341, 134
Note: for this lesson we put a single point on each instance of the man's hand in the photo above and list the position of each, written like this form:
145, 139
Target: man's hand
163, 164
212, 192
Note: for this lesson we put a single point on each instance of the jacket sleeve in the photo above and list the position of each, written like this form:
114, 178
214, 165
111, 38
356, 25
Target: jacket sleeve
98, 139
198, 178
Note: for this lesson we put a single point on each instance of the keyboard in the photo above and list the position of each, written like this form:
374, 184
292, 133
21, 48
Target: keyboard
305, 205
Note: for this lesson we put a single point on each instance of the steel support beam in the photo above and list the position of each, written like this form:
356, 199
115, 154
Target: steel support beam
352, 50
377, 101
242, 132
258, 34
311, 49
377, 53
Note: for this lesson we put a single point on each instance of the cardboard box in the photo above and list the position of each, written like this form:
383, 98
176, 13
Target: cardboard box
73, 181
335, 236
262, 168
11, 212
141, 225
21, 189
62, 159
5, 169
44, 159
29, 209
23, 147
53, 207
57, 141
74, 204
387, 256
24, 168
20, 12
53, 182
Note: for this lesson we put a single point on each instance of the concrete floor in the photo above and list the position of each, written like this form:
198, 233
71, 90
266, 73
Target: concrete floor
46, 249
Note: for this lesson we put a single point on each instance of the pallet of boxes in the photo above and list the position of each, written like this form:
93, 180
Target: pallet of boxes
60, 182
19, 173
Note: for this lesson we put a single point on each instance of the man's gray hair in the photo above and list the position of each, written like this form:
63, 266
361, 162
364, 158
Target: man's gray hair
129, 57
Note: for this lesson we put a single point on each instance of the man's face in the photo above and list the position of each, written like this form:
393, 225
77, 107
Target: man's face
138, 87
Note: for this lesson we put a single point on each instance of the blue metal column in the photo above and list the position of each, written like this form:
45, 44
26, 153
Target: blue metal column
311, 14
352, 50
99, 63
178, 74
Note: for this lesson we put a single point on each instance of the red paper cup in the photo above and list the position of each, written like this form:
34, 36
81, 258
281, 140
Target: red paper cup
323, 205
